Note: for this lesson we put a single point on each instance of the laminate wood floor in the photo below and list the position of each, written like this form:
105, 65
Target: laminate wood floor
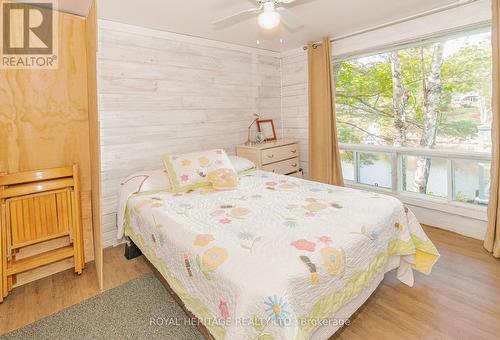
459, 300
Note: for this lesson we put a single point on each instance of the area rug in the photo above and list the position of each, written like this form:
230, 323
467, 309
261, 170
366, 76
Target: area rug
139, 309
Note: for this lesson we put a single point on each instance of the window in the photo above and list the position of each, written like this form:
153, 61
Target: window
424, 110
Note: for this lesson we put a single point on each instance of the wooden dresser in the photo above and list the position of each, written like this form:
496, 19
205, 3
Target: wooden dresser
281, 156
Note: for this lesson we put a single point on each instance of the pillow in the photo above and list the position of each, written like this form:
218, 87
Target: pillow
200, 169
152, 180
223, 179
241, 164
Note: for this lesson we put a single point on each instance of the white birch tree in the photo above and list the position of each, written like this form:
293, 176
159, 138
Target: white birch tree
432, 88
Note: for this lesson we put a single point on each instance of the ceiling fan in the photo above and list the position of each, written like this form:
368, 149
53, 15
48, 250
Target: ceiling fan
272, 13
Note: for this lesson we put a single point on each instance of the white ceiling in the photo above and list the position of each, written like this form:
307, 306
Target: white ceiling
321, 18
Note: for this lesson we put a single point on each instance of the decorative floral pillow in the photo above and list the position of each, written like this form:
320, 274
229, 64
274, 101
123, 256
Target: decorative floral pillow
199, 169
223, 179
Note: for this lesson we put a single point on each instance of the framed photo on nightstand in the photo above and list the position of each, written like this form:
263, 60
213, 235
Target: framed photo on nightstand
267, 129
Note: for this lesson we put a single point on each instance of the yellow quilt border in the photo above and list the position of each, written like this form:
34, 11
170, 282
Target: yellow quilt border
176, 186
426, 256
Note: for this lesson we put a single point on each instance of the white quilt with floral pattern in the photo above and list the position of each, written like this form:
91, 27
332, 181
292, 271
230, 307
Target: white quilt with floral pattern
279, 255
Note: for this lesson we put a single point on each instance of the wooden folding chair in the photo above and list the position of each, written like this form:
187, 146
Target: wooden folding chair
35, 207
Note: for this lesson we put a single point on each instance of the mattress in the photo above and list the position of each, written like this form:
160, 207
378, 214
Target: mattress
279, 257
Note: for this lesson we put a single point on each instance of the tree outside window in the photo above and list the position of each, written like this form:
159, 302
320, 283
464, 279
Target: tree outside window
436, 95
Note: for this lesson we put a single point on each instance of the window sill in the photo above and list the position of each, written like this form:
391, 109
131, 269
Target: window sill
455, 208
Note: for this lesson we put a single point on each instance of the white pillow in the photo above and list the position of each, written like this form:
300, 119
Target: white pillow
150, 180
241, 164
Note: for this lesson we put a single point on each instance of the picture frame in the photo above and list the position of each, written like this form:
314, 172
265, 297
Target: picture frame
266, 126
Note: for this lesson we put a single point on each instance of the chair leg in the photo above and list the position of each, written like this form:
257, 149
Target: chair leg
81, 245
77, 235
2, 294
3, 274
4, 291
79, 265
77, 253
78, 227
3, 250
10, 278
76, 257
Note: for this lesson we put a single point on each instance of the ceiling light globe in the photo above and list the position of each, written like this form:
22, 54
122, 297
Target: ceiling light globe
269, 20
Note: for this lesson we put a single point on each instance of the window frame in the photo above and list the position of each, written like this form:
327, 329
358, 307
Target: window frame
445, 204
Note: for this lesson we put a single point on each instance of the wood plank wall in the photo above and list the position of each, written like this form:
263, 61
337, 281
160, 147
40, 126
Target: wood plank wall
295, 102
44, 123
161, 92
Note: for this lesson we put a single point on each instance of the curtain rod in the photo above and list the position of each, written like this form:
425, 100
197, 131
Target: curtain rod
456, 4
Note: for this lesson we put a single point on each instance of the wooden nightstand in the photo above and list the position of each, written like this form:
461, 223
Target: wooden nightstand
281, 156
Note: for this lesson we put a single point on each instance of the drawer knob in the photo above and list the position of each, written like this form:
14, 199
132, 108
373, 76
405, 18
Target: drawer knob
294, 151
294, 165
270, 156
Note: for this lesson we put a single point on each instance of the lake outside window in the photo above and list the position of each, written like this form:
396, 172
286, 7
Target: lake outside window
423, 113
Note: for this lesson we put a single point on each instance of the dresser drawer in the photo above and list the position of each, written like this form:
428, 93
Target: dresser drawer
280, 153
283, 167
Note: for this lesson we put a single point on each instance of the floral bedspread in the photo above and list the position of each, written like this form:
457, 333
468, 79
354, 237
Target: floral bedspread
273, 258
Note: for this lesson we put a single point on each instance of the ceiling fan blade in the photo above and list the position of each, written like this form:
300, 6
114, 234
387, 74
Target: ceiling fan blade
294, 2
236, 18
289, 19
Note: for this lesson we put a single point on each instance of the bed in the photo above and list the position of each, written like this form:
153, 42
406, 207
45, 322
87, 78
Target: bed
279, 257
